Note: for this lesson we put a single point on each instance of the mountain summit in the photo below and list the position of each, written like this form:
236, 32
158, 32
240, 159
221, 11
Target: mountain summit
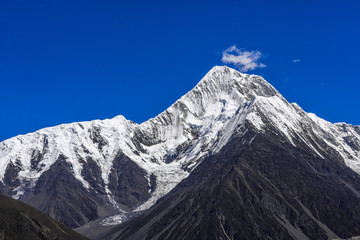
233, 139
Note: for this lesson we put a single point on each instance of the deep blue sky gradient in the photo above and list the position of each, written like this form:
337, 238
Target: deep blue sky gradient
67, 61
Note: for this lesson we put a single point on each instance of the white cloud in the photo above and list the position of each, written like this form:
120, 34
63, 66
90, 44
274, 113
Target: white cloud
243, 60
296, 60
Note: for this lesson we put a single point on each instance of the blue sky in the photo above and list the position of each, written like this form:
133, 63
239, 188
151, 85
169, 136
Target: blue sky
67, 61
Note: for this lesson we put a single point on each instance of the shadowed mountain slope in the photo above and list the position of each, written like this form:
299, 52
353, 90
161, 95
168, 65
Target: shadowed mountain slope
257, 187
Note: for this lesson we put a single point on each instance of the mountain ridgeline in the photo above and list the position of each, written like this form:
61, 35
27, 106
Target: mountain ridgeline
231, 159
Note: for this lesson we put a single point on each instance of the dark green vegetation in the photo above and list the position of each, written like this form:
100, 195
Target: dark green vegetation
19, 221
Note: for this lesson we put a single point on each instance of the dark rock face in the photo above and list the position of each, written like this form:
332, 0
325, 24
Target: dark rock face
92, 174
268, 189
128, 182
95, 135
10, 177
20, 221
38, 155
61, 196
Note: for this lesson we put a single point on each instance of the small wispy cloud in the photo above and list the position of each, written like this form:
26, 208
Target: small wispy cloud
242, 59
296, 60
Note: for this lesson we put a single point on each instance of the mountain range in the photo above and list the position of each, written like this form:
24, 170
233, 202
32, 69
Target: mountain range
231, 159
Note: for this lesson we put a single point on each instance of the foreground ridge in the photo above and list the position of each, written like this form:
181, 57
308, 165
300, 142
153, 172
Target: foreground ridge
20, 221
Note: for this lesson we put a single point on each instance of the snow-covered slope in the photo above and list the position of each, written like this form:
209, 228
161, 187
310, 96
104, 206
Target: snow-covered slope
168, 147
197, 118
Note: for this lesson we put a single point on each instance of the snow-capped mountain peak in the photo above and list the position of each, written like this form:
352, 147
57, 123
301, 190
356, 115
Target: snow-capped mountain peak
165, 149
